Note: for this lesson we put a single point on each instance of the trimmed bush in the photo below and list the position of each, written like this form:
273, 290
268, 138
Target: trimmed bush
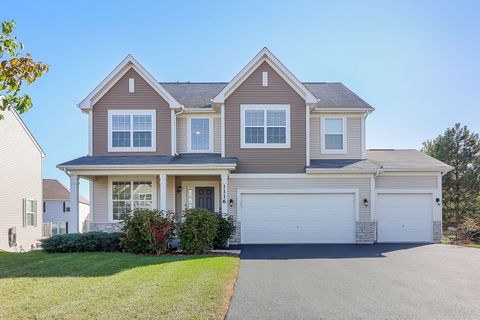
226, 228
147, 231
83, 242
198, 231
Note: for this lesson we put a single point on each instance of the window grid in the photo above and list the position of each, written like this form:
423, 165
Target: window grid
275, 126
132, 131
130, 195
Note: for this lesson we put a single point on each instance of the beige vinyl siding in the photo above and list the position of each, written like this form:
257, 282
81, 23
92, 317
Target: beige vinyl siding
267, 160
361, 183
182, 134
100, 200
406, 182
354, 139
20, 178
118, 98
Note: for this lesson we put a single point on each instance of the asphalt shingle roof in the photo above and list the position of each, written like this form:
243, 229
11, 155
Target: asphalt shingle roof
54, 190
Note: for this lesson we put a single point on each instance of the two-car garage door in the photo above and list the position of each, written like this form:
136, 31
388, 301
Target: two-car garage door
298, 217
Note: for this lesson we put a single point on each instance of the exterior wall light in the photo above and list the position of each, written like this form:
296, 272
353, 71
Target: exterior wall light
365, 202
179, 189
231, 203
438, 201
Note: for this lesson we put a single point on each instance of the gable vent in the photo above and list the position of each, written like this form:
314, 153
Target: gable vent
131, 85
265, 78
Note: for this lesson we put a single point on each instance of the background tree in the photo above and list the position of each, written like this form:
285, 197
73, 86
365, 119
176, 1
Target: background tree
459, 148
16, 69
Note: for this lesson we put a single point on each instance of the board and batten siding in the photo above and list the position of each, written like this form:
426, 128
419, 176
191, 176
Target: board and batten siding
354, 142
118, 98
182, 134
266, 160
20, 178
361, 183
407, 181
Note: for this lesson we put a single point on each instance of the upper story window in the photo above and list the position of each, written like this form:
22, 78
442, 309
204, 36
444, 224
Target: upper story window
265, 126
333, 135
200, 135
131, 130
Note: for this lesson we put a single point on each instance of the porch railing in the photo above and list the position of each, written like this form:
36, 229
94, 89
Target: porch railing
46, 229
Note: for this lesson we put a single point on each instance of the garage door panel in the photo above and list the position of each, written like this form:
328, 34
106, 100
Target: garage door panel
404, 217
298, 218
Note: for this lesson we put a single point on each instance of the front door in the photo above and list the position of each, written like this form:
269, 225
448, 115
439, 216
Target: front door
204, 198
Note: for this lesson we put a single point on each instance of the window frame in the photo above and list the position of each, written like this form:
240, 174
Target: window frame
150, 179
58, 228
189, 134
323, 149
33, 213
131, 113
265, 108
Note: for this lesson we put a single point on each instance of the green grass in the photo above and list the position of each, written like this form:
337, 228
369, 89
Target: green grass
37, 285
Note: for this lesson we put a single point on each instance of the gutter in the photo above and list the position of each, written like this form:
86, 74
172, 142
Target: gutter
175, 129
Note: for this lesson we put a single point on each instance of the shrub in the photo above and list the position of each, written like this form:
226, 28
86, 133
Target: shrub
469, 230
147, 231
82, 242
198, 231
226, 228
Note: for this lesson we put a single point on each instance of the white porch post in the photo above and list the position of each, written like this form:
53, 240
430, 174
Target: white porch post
163, 191
224, 193
74, 206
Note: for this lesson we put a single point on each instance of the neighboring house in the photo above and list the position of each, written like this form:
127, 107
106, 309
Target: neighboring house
20, 185
56, 209
285, 158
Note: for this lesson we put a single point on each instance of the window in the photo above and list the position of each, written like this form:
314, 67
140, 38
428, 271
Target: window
131, 130
200, 135
265, 126
66, 206
30, 213
130, 195
333, 135
59, 227
44, 206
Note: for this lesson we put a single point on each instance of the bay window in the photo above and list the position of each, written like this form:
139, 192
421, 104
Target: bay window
265, 126
131, 130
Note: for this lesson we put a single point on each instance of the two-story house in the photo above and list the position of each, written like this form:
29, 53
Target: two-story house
285, 158
56, 209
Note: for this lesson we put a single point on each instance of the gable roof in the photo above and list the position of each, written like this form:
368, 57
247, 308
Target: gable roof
126, 64
265, 56
54, 190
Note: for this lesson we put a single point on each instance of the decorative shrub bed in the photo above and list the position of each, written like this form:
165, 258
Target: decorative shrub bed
83, 242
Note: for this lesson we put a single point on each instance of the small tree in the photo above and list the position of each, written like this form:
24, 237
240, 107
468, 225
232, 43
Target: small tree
459, 148
15, 70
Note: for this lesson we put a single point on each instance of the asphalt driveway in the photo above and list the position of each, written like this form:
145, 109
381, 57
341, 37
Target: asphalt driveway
381, 281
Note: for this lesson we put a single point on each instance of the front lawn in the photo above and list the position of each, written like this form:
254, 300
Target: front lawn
37, 285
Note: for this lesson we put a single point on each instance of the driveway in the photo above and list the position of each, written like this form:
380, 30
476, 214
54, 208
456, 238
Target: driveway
381, 281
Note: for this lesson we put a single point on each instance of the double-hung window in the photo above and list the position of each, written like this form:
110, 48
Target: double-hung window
265, 126
200, 134
29, 213
333, 133
59, 227
130, 195
131, 130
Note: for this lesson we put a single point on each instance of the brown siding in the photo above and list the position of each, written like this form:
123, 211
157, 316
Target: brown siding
278, 91
118, 98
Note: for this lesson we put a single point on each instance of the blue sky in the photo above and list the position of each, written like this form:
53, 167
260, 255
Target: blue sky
416, 62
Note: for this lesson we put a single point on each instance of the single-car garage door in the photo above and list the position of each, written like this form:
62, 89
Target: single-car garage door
404, 217
298, 218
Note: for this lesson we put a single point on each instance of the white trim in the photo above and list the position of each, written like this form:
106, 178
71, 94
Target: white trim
373, 199
173, 132
265, 78
116, 74
129, 178
410, 190
342, 110
30, 135
265, 108
189, 134
307, 135
193, 172
131, 113
322, 135
222, 130
131, 85
309, 190
120, 168
265, 56
90, 132
163, 192
295, 176
363, 129
193, 184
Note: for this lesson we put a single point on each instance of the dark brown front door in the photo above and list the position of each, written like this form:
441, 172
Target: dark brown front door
204, 198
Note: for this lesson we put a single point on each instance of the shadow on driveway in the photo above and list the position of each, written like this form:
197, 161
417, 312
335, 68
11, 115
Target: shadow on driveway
321, 251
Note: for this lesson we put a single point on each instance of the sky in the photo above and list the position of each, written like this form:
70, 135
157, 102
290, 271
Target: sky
416, 62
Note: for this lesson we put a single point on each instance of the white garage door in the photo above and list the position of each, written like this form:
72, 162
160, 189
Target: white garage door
298, 218
404, 217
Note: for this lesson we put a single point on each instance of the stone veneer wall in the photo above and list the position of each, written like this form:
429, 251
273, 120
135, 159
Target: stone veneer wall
235, 239
366, 232
106, 227
437, 231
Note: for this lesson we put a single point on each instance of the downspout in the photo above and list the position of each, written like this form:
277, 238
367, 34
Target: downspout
175, 129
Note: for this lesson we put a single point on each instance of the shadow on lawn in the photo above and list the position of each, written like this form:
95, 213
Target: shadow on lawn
88, 264
322, 251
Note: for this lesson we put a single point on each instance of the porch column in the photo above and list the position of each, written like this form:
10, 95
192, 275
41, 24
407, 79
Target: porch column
163, 192
74, 206
224, 193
